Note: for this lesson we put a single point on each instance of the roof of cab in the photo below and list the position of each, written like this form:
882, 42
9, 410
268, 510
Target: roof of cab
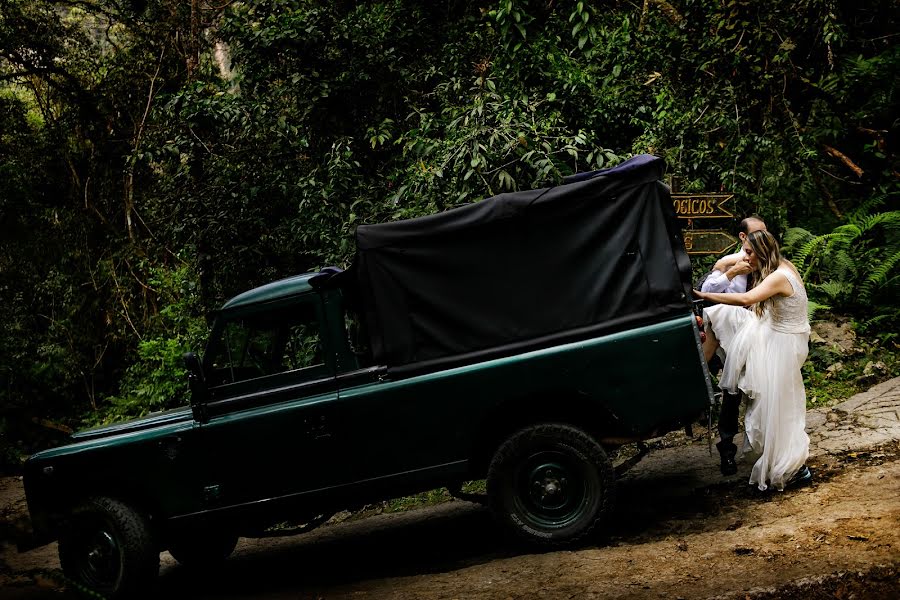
283, 288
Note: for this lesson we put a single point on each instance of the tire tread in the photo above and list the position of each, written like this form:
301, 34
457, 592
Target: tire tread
140, 555
577, 439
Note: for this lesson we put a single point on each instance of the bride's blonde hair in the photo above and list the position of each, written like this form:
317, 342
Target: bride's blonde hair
768, 258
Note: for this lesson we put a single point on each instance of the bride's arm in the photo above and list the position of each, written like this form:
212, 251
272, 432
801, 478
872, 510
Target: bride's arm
775, 284
726, 262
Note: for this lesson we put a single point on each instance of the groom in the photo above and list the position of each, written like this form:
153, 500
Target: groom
730, 276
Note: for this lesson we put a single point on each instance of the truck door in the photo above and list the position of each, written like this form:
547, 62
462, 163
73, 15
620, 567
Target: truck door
268, 420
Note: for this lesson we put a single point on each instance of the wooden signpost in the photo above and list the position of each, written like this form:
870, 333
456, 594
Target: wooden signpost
704, 206
708, 241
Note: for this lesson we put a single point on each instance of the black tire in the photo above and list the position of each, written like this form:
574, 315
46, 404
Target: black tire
203, 549
108, 548
550, 484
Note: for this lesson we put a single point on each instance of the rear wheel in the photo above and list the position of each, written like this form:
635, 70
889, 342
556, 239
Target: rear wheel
108, 548
550, 484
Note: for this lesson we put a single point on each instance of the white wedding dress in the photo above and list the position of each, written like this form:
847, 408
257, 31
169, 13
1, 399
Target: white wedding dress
763, 359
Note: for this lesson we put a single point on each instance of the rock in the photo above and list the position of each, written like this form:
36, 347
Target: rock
839, 335
872, 367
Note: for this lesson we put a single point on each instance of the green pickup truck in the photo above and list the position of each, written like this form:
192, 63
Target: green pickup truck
517, 340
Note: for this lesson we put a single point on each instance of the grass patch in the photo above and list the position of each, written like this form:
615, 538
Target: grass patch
431, 497
428, 498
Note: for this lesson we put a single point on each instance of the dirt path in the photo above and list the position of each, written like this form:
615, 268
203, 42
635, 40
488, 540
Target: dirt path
680, 531
730, 544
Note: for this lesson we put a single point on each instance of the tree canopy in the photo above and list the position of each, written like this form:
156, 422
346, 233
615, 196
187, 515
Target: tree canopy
158, 156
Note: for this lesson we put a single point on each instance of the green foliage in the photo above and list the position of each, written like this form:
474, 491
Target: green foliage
831, 375
156, 378
10, 456
139, 156
814, 307
431, 497
854, 267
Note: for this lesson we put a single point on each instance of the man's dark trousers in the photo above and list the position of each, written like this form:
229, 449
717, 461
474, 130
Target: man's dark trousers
728, 428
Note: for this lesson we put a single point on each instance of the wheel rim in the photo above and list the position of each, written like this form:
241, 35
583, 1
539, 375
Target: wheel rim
99, 558
551, 490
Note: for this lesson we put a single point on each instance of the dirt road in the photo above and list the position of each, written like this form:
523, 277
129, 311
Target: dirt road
680, 531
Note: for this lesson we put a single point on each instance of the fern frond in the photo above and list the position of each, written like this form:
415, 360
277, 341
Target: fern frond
878, 277
795, 236
877, 319
884, 324
838, 243
843, 266
868, 207
812, 307
835, 290
888, 220
810, 248
847, 232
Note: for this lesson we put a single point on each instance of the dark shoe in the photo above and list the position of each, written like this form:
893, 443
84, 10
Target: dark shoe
801, 478
727, 452
753, 491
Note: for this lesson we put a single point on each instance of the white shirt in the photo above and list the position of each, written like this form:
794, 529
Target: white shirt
718, 282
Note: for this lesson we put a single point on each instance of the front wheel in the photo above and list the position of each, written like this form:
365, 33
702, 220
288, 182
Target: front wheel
550, 484
108, 548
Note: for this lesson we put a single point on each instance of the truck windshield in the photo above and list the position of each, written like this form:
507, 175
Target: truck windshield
267, 343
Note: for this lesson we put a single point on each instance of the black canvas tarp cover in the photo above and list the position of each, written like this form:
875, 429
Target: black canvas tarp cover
599, 253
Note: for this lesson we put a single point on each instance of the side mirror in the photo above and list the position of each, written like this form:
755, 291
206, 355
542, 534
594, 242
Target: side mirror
196, 380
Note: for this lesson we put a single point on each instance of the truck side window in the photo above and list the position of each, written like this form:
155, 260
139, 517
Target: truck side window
303, 348
268, 343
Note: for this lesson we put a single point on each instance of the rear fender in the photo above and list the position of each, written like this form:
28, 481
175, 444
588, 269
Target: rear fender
569, 407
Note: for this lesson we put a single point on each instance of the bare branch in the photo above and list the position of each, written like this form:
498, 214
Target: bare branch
121, 298
839, 178
129, 176
844, 159
829, 200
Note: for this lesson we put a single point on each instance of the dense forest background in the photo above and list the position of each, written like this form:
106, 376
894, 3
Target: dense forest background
158, 156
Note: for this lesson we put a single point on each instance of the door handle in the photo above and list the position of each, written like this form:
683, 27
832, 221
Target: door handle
170, 446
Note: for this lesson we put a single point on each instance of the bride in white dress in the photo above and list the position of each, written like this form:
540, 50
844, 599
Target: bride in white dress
765, 348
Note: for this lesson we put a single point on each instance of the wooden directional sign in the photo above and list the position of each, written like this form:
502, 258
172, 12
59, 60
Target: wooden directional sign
702, 206
708, 241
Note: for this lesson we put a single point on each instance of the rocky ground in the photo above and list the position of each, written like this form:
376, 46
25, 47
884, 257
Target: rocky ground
680, 531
